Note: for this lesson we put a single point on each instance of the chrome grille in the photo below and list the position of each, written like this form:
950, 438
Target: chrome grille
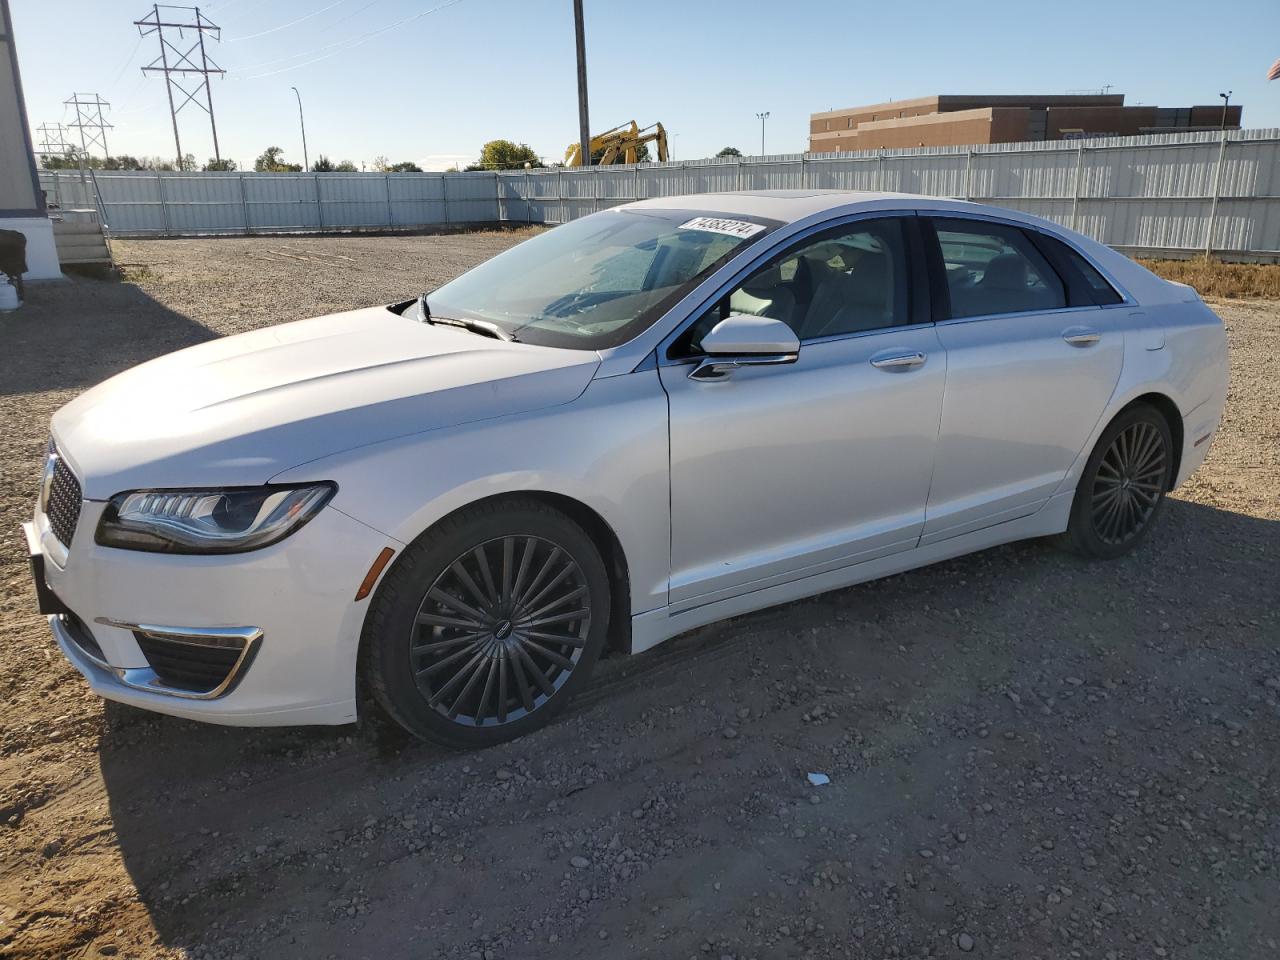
62, 502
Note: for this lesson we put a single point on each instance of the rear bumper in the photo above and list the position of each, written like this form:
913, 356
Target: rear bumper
1199, 427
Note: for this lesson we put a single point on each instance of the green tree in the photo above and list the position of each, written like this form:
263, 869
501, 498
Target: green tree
505, 155
404, 166
729, 152
272, 160
71, 160
322, 165
122, 162
346, 166
225, 164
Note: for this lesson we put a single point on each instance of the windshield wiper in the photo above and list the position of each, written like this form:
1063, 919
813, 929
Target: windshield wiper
482, 327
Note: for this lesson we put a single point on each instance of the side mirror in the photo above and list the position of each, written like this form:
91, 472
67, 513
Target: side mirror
741, 340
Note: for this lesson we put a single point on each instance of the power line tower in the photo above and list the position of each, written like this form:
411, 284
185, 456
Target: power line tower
53, 140
89, 121
181, 64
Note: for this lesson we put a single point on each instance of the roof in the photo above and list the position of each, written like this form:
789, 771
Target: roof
789, 206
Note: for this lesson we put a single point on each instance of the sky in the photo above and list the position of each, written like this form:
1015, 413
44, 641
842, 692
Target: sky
431, 80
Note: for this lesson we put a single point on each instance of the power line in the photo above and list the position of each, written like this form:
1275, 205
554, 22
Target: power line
286, 26
184, 69
127, 62
124, 105
306, 53
341, 45
354, 13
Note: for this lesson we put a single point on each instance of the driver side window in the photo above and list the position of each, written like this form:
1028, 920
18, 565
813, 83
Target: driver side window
847, 280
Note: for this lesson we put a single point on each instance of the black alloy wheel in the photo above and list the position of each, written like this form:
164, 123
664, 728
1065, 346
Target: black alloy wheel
500, 630
1122, 489
487, 624
1129, 482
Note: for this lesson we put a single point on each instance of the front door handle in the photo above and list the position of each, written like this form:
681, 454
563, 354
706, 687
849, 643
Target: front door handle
898, 361
1081, 336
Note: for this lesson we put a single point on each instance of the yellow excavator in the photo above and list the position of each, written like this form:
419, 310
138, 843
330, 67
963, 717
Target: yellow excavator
619, 145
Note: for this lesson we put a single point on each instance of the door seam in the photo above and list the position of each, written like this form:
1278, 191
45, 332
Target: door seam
937, 437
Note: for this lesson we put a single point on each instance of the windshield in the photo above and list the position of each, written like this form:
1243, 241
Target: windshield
598, 281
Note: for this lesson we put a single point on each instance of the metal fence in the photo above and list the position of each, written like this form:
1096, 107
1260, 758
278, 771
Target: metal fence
1176, 194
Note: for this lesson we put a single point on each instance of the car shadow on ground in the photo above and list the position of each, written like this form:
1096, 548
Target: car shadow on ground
283, 842
72, 334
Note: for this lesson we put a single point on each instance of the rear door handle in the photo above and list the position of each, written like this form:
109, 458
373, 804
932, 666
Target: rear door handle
1081, 336
898, 361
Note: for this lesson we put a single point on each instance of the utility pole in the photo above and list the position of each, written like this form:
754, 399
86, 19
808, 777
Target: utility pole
188, 62
584, 126
762, 117
89, 121
306, 163
53, 140
1226, 101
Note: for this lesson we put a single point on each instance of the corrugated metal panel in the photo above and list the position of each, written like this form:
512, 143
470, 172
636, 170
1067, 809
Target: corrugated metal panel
353, 200
942, 176
130, 204
1046, 174
196, 203
417, 199
1250, 225
1154, 192
848, 173
67, 190
1251, 170
283, 201
764, 175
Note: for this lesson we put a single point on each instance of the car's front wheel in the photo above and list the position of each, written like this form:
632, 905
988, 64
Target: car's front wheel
1122, 489
488, 624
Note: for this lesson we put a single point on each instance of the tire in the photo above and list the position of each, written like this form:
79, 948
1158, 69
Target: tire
476, 611
1121, 493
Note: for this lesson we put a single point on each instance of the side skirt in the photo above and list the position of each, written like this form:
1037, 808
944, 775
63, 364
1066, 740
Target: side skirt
654, 626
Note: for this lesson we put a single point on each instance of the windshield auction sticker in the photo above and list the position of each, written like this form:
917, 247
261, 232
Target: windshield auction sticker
732, 228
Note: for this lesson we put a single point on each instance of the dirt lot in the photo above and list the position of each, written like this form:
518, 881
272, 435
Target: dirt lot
1030, 756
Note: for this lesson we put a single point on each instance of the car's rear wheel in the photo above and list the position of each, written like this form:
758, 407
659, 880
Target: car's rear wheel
488, 624
1122, 489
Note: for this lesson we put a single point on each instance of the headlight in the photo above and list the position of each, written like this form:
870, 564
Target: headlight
209, 521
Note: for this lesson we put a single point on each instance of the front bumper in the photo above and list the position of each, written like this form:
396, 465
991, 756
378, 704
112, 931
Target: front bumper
289, 607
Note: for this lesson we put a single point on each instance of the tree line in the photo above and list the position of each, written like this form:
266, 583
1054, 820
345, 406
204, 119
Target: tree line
74, 160
270, 160
494, 155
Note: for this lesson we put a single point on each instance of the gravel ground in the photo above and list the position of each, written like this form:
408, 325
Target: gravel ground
1029, 756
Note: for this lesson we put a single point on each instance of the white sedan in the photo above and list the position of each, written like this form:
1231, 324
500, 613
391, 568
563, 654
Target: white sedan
655, 417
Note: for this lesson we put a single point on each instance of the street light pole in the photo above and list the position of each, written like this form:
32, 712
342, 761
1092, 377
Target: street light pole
762, 117
1226, 101
306, 161
584, 127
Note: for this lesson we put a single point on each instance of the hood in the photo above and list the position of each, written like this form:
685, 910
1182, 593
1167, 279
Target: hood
239, 410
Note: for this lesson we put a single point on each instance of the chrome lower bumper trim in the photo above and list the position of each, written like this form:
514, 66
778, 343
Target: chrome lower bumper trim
145, 679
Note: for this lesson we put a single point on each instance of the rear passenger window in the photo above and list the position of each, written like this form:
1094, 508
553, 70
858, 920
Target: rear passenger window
1100, 290
993, 269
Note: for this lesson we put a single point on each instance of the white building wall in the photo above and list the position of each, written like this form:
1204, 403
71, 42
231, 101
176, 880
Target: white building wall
21, 202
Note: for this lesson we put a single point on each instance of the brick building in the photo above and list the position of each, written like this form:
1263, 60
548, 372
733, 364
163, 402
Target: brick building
956, 120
